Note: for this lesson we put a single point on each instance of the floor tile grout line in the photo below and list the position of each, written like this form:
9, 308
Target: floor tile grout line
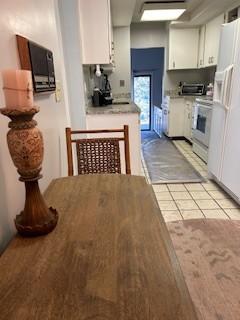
198, 163
227, 214
212, 198
197, 205
192, 191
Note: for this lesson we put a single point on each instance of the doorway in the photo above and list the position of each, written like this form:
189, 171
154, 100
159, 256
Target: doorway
147, 67
142, 97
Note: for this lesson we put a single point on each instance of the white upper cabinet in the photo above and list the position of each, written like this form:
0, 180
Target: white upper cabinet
202, 34
212, 39
183, 48
96, 31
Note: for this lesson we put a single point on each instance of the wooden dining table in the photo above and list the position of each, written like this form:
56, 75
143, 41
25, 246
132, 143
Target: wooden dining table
109, 258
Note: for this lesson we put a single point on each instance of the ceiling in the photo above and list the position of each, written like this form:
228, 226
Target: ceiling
124, 12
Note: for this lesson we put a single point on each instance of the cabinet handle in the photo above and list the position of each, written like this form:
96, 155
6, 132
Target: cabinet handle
211, 60
174, 65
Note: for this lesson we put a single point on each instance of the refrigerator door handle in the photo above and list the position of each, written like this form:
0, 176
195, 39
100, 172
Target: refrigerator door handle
225, 99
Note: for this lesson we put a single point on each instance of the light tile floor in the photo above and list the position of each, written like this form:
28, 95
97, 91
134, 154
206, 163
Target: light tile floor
193, 200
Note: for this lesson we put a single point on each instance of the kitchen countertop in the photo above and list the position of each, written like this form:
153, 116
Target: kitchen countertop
185, 97
205, 100
114, 109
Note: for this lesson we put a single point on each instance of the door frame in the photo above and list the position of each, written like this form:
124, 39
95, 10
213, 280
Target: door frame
150, 75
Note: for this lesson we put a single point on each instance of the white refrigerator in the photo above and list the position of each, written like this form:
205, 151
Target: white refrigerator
224, 148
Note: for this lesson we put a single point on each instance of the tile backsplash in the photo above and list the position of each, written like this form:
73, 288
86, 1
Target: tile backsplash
120, 96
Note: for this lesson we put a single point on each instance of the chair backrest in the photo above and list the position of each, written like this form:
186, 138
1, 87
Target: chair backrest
97, 155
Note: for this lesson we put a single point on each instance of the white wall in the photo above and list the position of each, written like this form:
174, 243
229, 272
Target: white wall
70, 29
148, 35
35, 20
121, 37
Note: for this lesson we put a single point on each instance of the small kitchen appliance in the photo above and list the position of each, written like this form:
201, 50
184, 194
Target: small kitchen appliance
102, 94
193, 89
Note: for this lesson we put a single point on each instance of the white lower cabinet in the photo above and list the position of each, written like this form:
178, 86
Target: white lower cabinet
188, 120
157, 126
117, 121
173, 117
177, 117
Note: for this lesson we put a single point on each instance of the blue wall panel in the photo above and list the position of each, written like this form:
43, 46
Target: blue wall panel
150, 61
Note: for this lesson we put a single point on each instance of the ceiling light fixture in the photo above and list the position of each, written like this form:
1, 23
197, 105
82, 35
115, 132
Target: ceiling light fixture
162, 15
162, 11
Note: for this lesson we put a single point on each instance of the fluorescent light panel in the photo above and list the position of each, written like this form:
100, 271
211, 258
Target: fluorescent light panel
162, 14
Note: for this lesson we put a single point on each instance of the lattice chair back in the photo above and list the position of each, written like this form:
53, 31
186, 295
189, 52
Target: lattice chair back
98, 155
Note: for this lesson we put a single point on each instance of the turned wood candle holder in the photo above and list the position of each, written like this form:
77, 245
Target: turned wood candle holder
25, 143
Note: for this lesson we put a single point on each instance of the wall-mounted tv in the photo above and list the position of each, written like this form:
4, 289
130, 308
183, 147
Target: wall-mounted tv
39, 60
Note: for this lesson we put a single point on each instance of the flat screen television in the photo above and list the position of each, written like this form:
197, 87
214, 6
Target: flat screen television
40, 61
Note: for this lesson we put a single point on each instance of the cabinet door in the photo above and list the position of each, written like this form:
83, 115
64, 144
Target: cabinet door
95, 31
188, 120
111, 41
157, 120
165, 125
183, 48
212, 40
202, 32
176, 117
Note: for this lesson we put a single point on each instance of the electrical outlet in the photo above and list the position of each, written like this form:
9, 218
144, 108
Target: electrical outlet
122, 83
58, 92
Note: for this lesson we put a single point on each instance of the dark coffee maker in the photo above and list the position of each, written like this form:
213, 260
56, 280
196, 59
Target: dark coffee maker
102, 94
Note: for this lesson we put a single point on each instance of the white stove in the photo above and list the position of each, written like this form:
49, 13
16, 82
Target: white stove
202, 127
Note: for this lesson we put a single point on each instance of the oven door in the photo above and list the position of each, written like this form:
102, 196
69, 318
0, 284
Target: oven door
202, 124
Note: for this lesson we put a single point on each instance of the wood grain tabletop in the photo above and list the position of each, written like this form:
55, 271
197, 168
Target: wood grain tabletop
110, 257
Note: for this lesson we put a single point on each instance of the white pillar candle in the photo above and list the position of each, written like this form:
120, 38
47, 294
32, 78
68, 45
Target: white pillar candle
18, 89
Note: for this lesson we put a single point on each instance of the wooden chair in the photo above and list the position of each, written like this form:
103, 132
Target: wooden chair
97, 155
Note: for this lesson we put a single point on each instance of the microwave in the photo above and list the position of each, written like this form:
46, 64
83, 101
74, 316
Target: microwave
193, 90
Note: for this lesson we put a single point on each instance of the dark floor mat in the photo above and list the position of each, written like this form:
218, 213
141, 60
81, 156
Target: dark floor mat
165, 163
